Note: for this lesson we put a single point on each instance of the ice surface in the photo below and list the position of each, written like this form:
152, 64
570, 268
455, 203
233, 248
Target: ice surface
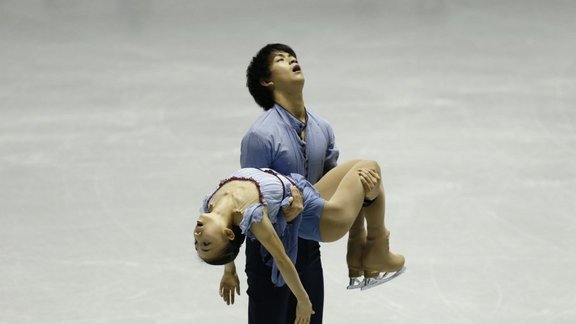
117, 116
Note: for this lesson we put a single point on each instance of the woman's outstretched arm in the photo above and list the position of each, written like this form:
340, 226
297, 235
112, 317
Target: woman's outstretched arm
265, 233
229, 284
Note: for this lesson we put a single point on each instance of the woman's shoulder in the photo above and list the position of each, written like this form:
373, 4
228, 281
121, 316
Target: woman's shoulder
252, 215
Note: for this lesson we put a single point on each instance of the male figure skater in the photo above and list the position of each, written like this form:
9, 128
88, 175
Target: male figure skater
289, 139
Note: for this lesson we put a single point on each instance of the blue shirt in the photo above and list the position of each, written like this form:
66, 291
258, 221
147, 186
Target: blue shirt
274, 142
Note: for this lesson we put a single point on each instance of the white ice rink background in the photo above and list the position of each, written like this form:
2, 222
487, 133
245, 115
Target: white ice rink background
118, 116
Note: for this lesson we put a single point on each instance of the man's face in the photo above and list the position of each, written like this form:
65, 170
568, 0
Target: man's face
285, 70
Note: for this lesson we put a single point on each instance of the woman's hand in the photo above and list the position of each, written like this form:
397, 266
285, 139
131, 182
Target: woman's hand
303, 312
229, 284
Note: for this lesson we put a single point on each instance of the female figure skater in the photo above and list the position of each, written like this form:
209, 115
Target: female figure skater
249, 203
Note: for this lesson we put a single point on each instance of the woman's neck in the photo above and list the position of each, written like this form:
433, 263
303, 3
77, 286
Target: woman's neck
227, 207
224, 207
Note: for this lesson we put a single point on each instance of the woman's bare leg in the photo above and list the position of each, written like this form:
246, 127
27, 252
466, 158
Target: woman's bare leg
328, 184
357, 233
344, 193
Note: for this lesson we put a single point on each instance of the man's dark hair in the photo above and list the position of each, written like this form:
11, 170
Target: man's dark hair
259, 69
230, 252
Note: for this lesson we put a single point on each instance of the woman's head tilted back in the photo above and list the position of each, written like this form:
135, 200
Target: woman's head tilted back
216, 243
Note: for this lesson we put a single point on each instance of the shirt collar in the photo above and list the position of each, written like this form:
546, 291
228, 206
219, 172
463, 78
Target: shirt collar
289, 119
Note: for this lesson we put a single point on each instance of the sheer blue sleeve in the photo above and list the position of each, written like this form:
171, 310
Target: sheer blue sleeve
252, 214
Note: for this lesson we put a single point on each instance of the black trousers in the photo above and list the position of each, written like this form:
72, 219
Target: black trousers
268, 304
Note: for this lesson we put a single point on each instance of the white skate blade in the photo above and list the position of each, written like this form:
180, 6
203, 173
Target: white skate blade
355, 283
380, 279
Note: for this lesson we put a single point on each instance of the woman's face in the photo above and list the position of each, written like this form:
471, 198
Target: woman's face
209, 236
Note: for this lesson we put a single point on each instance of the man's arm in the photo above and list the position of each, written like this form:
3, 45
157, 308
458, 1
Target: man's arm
332, 152
255, 151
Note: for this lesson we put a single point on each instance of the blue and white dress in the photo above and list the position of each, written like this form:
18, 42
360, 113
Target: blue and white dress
274, 189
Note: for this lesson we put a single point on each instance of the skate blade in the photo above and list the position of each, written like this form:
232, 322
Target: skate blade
382, 278
355, 283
